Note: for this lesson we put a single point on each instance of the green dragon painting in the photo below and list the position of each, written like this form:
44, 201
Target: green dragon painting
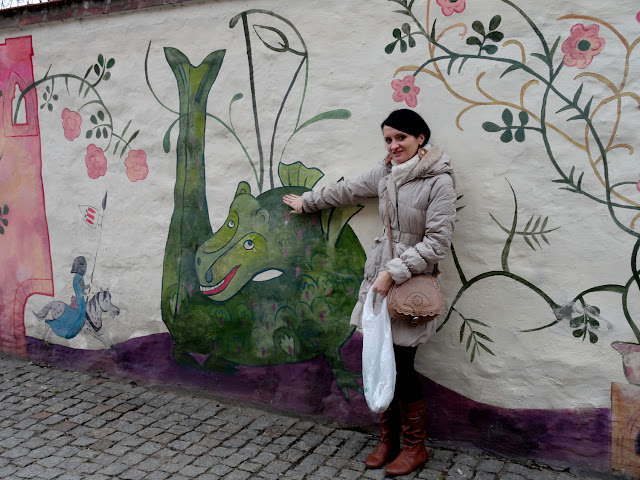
268, 287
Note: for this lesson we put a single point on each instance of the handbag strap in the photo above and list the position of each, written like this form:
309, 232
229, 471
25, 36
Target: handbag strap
389, 228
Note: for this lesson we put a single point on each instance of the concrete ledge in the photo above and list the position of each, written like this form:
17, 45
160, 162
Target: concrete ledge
59, 10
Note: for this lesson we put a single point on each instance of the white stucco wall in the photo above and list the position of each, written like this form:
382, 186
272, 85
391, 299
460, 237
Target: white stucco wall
349, 69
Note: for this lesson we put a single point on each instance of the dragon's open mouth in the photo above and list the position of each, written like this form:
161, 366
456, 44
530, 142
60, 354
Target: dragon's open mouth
218, 287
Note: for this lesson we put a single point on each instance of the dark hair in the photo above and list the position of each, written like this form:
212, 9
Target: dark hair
408, 121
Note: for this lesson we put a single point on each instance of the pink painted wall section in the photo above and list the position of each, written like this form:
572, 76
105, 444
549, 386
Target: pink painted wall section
26, 259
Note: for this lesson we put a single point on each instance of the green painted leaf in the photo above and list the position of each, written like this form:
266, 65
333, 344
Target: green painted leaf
93, 119
519, 135
484, 337
513, 67
403, 46
98, 133
576, 322
101, 115
89, 133
236, 97
412, 42
473, 353
495, 36
469, 342
577, 333
490, 49
134, 135
566, 107
397, 33
491, 127
473, 320
107, 76
166, 141
526, 239
576, 117
542, 57
593, 338
587, 108
100, 59
104, 132
593, 322
486, 348
279, 44
1, 231
111, 62
391, 47
507, 117
462, 331
55, 97
576, 97
478, 27
524, 118
495, 22
5, 209
96, 68
553, 49
473, 41
298, 175
339, 114
44, 96
406, 28
50, 107
5, 222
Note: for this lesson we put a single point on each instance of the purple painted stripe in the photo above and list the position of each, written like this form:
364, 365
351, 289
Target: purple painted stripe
564, 436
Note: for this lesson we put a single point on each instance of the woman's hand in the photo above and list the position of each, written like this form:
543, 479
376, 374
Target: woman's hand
383, 283
293, 201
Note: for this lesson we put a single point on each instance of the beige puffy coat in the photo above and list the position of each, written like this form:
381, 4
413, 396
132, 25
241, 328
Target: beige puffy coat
422, 213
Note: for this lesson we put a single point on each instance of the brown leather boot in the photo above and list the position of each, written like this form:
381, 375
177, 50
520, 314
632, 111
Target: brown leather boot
414, 453
389, 445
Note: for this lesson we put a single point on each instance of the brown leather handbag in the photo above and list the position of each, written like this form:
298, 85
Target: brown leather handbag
419, 299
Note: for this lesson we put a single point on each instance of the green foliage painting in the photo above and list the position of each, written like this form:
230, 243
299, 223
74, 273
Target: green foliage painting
539, 61
268, 287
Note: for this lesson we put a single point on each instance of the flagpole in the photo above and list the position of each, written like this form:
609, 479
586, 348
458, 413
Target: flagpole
104, 206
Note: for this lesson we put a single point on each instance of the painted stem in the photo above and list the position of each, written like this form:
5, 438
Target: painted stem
552, 304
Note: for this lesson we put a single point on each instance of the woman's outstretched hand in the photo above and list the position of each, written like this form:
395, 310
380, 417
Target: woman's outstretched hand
293, 201
383, 283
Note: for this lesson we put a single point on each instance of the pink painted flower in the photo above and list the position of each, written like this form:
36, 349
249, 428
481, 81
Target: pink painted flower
96, 162
136, 164
450, 6
583, 44
638, 184
638, 17
71, 122
405, 90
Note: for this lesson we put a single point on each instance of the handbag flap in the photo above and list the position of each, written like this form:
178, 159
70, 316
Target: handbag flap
420, 296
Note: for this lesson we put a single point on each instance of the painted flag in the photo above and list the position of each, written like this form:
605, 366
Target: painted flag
90, 215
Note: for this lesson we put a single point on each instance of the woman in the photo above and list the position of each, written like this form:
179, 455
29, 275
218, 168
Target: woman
418, 179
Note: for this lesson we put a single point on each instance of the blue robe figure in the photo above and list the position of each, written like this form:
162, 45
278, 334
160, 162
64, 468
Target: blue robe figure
70, 323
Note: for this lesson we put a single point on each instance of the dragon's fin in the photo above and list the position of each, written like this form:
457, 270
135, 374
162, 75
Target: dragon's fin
297, 175
335, 219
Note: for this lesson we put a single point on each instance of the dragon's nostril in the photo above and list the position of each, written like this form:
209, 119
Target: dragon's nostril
209, 276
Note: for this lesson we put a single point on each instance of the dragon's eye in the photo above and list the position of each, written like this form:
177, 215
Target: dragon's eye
249, 245
231, 224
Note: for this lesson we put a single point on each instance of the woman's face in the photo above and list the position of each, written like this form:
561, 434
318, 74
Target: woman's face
400, 145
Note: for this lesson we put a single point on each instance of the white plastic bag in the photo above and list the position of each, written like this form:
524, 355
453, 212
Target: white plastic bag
378, 361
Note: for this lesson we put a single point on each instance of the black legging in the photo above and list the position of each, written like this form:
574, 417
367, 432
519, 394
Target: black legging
408, 388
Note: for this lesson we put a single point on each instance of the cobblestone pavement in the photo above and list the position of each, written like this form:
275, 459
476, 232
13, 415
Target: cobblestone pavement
63, 425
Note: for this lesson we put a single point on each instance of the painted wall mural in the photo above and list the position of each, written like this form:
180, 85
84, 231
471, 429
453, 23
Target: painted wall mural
267, 288
146, 187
